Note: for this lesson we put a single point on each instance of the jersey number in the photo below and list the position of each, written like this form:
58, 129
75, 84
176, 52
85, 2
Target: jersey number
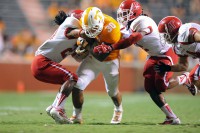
110, 27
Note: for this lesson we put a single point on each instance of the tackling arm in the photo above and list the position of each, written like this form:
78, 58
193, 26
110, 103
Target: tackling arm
123, 43
194, 35
181, 66
132, 39
197, 36
72, 33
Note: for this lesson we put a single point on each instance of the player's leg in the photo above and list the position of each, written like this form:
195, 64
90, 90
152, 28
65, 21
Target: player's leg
161, 85
78, 100
58, 111
50, 72
86, 72
111, 78
154, 88
195, 76
183, 79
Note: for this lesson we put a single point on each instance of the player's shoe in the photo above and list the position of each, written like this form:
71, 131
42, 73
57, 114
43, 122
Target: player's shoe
117, 117
48, 109
59, 116
171, 121
76, 120
191, 87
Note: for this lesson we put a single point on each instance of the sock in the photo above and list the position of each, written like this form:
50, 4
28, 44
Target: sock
181, 79
61, 100
77, 112
168, 112
55, 100
119, 108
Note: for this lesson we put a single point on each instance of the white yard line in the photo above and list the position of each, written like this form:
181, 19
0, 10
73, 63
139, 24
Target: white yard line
13, 108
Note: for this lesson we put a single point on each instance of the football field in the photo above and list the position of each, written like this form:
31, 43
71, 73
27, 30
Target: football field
25, 113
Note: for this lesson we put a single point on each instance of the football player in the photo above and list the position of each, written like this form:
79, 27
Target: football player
46, 68
105, 29
186, 42
141, 30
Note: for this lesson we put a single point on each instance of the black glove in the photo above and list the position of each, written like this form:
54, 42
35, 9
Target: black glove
161, 67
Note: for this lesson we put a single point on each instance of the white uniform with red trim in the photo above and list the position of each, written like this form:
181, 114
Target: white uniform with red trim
45, 66
59, 46
151, 42
183, 48
157, 51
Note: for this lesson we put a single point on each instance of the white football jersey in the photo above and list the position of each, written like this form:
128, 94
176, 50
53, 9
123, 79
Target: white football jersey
59, 46
151, 42
184, 48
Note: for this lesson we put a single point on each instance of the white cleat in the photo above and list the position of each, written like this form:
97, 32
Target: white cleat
117, 117
171, 121
59, 116
48, 109
191, 87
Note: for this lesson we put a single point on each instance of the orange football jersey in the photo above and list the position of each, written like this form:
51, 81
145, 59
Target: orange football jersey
110, 34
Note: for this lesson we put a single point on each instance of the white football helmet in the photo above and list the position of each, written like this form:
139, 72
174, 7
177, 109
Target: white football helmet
92, 21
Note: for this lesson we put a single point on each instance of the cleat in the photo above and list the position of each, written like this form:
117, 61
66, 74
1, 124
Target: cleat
59, 116
191, 87
117, 117
171, 121
76, 120
48, 109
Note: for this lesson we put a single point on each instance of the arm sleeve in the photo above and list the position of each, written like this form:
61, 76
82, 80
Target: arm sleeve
124, 43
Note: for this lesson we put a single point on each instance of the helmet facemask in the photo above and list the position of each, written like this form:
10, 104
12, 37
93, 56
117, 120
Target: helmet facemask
169, 37
123, 16
93, 31
128, 14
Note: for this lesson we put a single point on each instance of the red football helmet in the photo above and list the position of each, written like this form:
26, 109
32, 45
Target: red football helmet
76, 13
169, 27
128, 10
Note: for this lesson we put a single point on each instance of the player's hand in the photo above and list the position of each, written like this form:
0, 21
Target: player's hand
102, 49
161, 67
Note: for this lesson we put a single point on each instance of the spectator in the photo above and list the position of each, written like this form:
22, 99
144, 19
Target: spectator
24, 43
178, 10
53, 10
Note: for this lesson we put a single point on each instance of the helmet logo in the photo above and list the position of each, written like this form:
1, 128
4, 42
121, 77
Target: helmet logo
136, 5
171, 26
97, 15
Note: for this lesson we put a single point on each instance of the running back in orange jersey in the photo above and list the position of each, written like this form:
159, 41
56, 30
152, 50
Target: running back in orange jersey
110, 34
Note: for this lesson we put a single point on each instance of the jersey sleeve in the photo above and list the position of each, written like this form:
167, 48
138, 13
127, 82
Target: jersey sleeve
183, 34
71, 22
142, 25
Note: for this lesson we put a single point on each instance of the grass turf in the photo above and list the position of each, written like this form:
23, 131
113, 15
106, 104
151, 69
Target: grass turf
25, 113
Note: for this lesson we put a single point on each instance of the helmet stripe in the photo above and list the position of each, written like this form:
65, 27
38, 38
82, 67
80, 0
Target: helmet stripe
86, 15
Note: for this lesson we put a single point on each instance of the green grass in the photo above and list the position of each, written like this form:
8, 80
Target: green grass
25, 113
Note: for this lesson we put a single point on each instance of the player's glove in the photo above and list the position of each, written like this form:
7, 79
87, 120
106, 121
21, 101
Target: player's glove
102, 49
162, 67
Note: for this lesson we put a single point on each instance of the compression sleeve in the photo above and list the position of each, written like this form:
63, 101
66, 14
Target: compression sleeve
124, 43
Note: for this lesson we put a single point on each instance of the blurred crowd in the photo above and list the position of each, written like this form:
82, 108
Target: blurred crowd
22, 44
